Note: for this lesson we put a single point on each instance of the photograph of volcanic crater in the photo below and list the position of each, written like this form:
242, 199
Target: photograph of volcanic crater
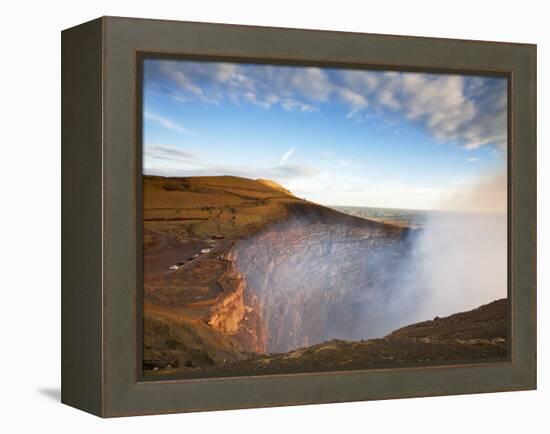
303, 219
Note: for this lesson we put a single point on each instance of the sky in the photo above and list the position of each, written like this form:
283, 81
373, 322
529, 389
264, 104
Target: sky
332, 136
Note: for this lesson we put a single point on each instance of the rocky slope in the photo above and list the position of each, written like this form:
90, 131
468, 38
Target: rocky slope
477, 335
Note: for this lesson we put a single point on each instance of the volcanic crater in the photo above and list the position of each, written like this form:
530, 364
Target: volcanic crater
241, 276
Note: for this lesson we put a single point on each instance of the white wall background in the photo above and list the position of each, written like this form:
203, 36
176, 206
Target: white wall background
30, 215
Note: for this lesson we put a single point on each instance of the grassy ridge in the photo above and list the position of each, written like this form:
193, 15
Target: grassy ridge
210, 206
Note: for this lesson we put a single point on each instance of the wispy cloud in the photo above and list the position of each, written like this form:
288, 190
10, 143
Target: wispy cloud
282, 174
162, 152
292, 104
467, 111
472, 159
286, 156
178, 74
355, 100
165, 122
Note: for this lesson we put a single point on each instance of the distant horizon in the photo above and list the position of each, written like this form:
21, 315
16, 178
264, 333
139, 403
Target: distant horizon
420, 210
360, 138
332, 205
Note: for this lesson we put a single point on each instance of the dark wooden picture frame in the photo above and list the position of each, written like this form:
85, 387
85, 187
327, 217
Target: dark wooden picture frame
101, 230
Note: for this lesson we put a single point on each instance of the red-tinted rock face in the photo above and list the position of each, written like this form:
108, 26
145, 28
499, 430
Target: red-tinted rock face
226, 315
319, 275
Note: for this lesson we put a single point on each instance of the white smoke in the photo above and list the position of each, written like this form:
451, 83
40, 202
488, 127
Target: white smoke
487, 194
461, 258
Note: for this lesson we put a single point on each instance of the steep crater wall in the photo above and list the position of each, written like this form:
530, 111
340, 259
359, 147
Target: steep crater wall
319, 274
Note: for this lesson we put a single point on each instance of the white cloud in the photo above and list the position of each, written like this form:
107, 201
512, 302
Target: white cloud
164, 122
286, 156
472, 159
173, 70
224, 71
355, 100
169, 153
313, 83
468, 111
388, 98
263, 85
292, 104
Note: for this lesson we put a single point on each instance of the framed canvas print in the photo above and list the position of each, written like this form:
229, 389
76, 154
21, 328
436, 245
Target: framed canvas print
260, 216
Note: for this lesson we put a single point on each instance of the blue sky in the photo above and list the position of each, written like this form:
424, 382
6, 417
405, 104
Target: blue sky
333, 136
